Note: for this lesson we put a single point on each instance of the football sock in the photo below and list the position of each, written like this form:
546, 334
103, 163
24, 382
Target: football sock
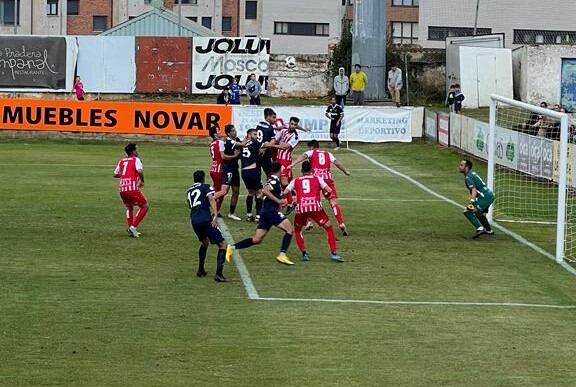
249, 202
337, 141
220, 261
482, 218
286, 242
130, 216
258, 206
140, 216
232, 208
331, 238
304, 252
202, 250
472, 219
244, 244
338, 213
299, 239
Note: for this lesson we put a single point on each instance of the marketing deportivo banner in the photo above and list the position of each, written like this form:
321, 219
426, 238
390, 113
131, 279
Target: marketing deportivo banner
217, 61
33, 62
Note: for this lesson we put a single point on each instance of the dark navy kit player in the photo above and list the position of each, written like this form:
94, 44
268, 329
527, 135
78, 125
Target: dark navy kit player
204, 218
335, 114
230, 172
251, 172
266, 134
270, 215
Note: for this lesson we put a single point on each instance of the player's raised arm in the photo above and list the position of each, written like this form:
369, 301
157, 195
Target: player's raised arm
289, 188
325, 187
299, 160
341, 167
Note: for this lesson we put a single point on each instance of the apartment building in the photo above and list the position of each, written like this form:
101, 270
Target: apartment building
522, 22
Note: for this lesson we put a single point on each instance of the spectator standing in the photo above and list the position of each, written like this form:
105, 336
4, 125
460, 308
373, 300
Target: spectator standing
223, 98
395, 83
235, 92
358, 81
455, 98
341, 87
78, 89
253, 89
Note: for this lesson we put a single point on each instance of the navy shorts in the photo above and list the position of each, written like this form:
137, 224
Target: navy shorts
231, 177
335, 128
269, 219
251, 179
205, 230
265, 162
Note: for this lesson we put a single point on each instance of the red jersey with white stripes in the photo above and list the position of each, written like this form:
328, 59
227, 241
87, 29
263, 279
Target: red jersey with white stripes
321, 160
129, 169
216, 147
286, 136
308, 189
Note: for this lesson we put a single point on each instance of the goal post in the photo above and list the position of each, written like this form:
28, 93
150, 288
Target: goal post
530, 171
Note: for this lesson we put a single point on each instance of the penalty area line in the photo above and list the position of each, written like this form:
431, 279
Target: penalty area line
239, 263
506, 231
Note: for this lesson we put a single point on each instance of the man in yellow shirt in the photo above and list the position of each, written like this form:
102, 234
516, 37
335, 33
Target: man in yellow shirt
358, 81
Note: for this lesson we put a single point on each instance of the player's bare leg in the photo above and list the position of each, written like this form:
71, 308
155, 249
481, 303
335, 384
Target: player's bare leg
220, 258
339, 216
202, 251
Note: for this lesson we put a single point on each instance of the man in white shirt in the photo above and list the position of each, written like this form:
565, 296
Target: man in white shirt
395, 83
341, 86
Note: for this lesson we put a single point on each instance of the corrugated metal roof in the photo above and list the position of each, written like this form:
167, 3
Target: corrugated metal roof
158, 22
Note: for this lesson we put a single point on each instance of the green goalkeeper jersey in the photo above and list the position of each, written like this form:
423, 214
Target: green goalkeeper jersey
473, 180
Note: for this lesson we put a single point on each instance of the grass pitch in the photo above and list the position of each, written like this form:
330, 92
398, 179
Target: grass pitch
84, 305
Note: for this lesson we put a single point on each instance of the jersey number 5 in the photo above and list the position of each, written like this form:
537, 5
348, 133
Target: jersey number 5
194, 198
246, 153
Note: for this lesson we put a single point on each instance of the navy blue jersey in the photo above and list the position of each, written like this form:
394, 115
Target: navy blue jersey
229, 149
276, 189
334, 112
199, 204
250, 153
265, 132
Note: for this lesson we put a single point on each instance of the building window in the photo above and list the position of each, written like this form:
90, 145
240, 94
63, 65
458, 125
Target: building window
73, 7
405, 3
544, 37
226, 23
404, 33
52, 7
192, 18
441, 33
186, 2
7, 12
306, 29
207, 21
251, 10
99, 23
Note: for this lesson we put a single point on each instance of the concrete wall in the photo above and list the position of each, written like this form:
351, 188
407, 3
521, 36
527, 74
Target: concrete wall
309, 79
519, 72
501, 16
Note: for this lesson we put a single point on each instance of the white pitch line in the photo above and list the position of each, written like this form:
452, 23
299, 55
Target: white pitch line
239, 262
389, 200
434, 303
512, 234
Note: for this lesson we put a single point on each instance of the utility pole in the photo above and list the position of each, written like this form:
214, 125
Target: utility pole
179, 17
16, 6
476, 17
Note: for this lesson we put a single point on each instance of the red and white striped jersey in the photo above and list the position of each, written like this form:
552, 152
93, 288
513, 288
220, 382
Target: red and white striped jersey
308, 189
321, 161
286, 136
216, 147
129, 169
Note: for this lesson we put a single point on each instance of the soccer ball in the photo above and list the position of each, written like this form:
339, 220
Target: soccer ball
290, 62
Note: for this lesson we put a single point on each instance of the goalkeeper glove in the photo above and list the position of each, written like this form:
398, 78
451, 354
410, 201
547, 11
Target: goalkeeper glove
472, 205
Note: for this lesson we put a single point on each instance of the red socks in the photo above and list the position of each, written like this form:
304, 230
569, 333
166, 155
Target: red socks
338, 213
140, 216
331, 238
130, 216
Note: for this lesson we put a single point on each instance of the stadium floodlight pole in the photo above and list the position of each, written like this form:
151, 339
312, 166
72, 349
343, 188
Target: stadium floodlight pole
562, 178
476, 17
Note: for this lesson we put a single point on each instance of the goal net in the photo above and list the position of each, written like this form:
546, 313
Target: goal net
529, 169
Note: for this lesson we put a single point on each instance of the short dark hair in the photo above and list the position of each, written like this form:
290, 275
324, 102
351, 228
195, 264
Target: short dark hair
228, 128
357, 65
468, 163
275, 167
544, 103
130, 148
295, 119
250, 130
199, 176
457, 85
306, 166
268, 112
213, 132
313, 144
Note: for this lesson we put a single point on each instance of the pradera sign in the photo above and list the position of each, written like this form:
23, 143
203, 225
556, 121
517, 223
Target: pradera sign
217, 61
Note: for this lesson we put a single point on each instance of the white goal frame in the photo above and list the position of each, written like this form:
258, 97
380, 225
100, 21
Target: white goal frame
563, 162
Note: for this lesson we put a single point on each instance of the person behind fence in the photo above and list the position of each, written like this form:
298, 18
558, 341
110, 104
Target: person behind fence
253, 89
235, 92
455, 98
395, 83
341, 87
223, 98
78, 89
358, 81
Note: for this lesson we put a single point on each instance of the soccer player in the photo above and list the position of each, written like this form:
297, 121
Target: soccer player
204, 219
251, 172
216, 149
286, 141
270, 216
265, 133
131, 174
309, 206
230, 175
321, 161
481, 197
335, 114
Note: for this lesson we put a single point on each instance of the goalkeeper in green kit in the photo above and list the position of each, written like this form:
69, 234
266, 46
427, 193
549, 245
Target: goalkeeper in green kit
481, 197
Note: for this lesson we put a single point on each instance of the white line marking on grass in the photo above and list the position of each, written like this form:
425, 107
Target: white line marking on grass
239, 262
389, 200
446, 303
512, 234
89, 165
